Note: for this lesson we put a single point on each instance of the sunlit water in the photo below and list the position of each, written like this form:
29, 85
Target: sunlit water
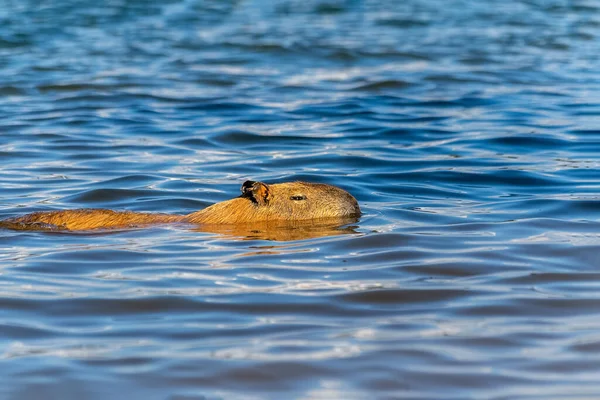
469, 131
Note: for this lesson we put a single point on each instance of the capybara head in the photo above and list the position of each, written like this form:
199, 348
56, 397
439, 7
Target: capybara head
291, 201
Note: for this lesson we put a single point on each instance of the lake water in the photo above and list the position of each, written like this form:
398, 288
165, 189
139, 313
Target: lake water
469, 132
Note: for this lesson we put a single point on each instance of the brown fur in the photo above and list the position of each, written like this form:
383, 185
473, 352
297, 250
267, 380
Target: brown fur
259, 203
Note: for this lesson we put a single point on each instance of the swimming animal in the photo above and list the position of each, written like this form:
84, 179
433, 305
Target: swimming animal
258, 203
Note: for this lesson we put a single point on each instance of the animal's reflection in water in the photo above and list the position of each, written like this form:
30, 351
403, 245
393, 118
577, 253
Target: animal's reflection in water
284, 231
275, 231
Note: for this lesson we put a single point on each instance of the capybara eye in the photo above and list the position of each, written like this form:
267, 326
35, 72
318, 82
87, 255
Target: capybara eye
301, 197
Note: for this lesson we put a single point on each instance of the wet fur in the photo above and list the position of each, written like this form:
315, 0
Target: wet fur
259, 203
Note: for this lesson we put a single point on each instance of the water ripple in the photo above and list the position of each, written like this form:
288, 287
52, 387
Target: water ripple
468, 133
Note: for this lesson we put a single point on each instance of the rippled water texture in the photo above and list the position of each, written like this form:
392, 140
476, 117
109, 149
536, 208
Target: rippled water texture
469, 131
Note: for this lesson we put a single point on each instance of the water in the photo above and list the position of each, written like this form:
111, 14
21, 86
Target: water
468, 131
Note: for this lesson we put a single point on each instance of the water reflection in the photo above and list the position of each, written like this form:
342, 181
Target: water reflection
284, 231
276, 230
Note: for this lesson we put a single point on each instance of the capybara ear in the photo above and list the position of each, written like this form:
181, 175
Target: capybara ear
258, 192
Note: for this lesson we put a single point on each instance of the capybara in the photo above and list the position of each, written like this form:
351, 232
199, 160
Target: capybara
258, 203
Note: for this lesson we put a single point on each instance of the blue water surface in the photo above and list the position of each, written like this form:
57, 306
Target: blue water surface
469, 131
